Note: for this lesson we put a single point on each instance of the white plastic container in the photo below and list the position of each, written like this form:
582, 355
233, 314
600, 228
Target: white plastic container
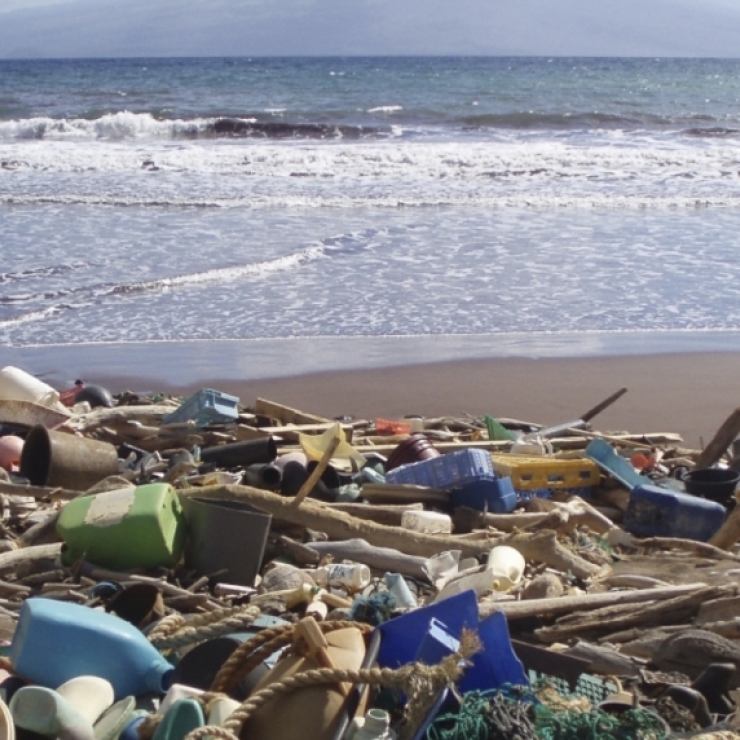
351, 576
482, 581
18, 385
506, 565
532, 446
397, 586
375, 725
429, 522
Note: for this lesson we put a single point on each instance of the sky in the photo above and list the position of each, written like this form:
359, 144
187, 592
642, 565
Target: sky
125, 28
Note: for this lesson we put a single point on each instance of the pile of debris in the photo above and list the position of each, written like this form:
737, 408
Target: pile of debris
198, 567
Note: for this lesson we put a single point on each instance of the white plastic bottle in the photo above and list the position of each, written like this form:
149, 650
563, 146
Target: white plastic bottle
350, 576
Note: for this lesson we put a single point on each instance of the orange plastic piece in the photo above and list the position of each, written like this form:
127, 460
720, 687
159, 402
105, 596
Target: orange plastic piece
386, 427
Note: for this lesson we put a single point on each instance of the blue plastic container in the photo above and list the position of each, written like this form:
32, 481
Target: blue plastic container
207, 406
497, 496
56, 641
659, 512
454, 470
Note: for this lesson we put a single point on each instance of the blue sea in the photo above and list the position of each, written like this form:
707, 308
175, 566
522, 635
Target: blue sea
275, 216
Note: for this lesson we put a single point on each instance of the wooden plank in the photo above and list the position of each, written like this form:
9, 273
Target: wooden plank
286, 414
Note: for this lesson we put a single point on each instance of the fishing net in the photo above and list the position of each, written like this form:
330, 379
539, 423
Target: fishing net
513, 714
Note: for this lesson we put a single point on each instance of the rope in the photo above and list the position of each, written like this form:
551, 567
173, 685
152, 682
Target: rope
420, 682
174, 631
260, 647
146, 730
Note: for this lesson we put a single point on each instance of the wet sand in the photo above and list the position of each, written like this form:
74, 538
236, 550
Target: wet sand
690, 394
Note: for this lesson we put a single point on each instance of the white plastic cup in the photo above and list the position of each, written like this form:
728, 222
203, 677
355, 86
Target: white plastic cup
429, 522
507, 566
18, 385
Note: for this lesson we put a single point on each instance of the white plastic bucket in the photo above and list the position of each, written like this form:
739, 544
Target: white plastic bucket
18, 385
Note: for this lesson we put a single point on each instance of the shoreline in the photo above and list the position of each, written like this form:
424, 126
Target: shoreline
685, 392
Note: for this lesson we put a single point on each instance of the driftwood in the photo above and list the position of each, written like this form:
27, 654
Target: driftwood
721, 441
563, 517
298, 552
671, 610
566, 604
702, 549
100, 416
466, 519
377, 558
718, 610
542, 547
729, 532
604, 661
389, 515
26, 557
37, 492
286, 414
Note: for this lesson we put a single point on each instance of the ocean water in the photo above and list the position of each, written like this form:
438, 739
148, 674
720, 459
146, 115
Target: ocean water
333, 212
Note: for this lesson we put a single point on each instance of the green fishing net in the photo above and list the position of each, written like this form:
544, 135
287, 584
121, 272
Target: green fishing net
502, 715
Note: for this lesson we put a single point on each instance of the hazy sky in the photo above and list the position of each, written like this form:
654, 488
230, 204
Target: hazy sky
113, 28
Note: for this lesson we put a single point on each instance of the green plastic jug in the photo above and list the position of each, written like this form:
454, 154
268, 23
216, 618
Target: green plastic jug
133, 527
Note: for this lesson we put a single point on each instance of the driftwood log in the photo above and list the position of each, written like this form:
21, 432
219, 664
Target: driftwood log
377, 558
26, 557
389, 515
668, 611
567, 604
559, 516
703, 549
541, 547
729, 532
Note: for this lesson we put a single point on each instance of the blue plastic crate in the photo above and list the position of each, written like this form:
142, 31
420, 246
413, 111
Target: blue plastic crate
207, 406
453, 470
496, 496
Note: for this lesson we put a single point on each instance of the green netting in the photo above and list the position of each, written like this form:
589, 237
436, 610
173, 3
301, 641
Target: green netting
504, 715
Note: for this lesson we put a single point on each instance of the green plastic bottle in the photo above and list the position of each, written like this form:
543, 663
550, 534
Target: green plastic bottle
133, 527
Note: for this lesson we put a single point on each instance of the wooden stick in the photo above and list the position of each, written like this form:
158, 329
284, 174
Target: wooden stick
285, 414
316, 473
721, 441
603, 405
729, 532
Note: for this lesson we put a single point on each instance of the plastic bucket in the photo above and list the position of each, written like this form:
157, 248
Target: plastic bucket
715, 484
65, 460
226, 538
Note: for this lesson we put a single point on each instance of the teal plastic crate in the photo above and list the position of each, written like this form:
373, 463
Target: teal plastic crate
206, 407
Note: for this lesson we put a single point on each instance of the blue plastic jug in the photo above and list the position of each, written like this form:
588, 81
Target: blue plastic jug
56, 641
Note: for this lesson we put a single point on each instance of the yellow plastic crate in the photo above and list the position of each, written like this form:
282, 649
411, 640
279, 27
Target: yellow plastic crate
530, 472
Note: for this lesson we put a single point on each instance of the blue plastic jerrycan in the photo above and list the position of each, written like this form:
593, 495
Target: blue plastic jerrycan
56, 641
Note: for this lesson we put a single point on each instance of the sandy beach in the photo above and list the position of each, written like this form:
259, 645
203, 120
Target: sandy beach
690, 394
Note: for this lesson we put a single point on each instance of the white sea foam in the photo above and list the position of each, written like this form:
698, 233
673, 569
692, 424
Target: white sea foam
549, 174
